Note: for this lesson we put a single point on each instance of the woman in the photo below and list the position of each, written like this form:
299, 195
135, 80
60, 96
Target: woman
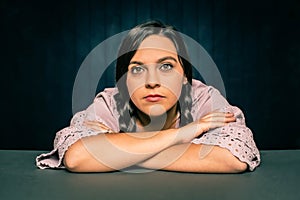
157, 117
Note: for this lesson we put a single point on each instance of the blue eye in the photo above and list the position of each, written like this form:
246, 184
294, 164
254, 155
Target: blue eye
166, 67
136, 70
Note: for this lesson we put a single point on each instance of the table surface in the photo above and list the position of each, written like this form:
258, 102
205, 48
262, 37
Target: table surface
277, 177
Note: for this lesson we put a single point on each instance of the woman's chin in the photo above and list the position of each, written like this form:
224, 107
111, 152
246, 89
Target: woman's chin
157, 110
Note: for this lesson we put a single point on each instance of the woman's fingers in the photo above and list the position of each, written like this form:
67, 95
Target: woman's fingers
219, 118
217, 114
228, 119
195, 129
211, 125
216, 120
95, 125
208, 122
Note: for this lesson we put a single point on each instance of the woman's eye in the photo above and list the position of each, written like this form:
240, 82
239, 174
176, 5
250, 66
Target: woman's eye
166, 67
137, 70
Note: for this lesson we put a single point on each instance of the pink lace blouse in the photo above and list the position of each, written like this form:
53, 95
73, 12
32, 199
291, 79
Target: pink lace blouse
236, 136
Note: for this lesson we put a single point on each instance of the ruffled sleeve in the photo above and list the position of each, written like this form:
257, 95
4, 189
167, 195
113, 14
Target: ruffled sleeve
236, 136
102, 110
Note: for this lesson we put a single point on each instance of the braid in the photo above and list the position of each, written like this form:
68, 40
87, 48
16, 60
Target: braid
185, 105
126, 111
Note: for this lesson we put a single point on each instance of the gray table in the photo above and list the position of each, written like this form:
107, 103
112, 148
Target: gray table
278, 177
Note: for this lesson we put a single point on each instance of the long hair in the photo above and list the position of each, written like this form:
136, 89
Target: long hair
128, 48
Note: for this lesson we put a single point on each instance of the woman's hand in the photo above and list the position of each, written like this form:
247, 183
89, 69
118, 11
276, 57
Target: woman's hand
210, 121
215, 120
95, 125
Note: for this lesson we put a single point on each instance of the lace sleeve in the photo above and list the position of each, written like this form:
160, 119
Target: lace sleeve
100, 110
236, 136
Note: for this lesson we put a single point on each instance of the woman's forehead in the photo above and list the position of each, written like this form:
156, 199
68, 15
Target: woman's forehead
158, 42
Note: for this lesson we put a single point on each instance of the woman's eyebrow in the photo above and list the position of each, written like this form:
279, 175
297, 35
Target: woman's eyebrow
158, 61
135, 62
166, 58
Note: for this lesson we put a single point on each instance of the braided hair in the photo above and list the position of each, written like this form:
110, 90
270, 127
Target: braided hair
128, 48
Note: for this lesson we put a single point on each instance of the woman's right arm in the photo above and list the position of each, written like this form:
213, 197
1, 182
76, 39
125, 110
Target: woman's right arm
115, 151
109, 152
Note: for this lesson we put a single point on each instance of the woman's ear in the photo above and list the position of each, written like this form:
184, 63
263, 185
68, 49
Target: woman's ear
185, 81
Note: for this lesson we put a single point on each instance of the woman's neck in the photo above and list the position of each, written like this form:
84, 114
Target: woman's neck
154, 123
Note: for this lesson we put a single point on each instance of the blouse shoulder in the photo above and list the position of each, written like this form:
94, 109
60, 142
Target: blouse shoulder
205, 99
104, 108
107, 95
200, 90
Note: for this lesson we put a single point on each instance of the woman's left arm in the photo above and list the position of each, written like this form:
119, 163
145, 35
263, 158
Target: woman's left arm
227, 149
196, 158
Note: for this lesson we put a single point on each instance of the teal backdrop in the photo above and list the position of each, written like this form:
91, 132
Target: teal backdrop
255, 45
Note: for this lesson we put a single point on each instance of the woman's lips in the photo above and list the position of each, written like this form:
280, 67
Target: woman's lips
153, 97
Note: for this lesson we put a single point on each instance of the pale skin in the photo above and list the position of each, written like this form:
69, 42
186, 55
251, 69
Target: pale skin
168, 148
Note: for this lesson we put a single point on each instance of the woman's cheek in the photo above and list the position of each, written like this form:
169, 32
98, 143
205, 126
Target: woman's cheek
174, 86
133, 85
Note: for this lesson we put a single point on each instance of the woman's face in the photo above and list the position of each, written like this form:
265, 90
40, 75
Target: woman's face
155, 76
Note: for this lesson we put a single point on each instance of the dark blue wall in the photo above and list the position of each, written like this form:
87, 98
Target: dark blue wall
255, 45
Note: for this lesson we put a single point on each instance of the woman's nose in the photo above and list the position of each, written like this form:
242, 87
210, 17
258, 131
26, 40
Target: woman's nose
152, 79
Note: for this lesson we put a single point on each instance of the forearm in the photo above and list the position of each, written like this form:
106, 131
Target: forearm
108, 152
195, 158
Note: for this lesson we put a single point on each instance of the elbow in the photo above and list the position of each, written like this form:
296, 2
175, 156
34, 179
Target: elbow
72, 160
238, 166
71, 164
231, 163
78, 159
